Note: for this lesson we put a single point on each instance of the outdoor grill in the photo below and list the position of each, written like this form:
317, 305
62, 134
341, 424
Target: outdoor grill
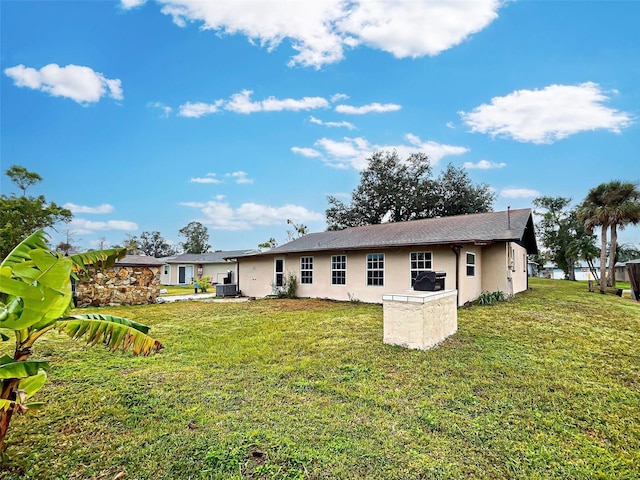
429, 281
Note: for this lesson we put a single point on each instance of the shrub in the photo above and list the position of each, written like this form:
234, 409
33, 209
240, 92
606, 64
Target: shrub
489, 298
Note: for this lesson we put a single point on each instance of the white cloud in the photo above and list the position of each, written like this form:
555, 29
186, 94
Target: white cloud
83, 226
80, 84
129, 4
164, 109
371, 108
221, 216
209, 178
338, 96
547, 115
483, 165
354, 152
242, 103
320, 31
343, 124
417, 28
519, 193
199, 109
306, 152
104, 208
240, 177
450, 125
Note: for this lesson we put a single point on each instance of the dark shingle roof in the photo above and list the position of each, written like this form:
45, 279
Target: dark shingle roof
478, 227
210, 257
139, 260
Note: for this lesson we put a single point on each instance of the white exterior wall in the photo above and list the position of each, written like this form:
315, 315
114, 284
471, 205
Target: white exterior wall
504, 271
256, 274
217, 272
470, 286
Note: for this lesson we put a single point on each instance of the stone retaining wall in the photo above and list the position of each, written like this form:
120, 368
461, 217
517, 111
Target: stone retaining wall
119, 285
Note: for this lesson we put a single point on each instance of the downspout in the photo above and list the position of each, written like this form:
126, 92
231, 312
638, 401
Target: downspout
456, 250
238, 276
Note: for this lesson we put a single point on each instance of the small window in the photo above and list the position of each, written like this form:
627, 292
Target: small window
166, 270
279, 272
471, 264
306, 270
338, 270
375, 269
420, 262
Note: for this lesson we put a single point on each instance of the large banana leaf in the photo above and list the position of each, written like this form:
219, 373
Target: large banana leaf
82, 262
20, 253
115, 332
21, 369
42, 280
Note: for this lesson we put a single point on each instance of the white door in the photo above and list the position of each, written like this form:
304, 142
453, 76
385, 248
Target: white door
185, 274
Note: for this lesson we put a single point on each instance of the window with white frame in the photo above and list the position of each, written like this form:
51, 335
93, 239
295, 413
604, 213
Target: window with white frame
471, 264
420, 262
338, 270
306, 270
278, 271
375, 269
166, 270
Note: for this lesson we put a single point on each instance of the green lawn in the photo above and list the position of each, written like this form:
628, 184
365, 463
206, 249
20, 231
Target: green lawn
543, 386
179, 289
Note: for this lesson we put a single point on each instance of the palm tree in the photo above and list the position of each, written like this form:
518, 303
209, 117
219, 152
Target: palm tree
610, 205
624, 206
593, 214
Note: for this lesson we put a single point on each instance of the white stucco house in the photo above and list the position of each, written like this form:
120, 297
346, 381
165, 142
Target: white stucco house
182, 269
484, 251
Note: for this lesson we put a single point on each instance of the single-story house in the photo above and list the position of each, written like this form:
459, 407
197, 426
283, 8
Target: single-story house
182, 269
484, 251
581, 270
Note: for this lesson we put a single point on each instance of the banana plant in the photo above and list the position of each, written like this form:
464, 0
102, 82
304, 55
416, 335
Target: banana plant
35, 298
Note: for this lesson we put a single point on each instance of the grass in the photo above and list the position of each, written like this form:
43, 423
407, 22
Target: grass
542, 386
179, 289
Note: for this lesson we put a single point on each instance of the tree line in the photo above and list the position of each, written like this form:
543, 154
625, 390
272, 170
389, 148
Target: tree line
391, 189
568, 234
21, 215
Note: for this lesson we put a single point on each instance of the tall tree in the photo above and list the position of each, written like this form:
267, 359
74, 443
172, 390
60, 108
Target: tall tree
20, 216
23, 178
396, 190
298, 231
153, 245
456, 194
196, 236
626, 252
68, 245
564, 237
611, 206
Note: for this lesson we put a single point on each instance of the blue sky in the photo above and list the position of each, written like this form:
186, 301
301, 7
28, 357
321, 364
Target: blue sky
145, 116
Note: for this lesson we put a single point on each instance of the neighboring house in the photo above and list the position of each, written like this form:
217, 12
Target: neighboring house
182, 269
581, 271
133, 280
484, 251
621, 271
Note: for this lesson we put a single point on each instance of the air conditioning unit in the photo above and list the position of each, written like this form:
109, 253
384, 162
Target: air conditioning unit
226, 290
